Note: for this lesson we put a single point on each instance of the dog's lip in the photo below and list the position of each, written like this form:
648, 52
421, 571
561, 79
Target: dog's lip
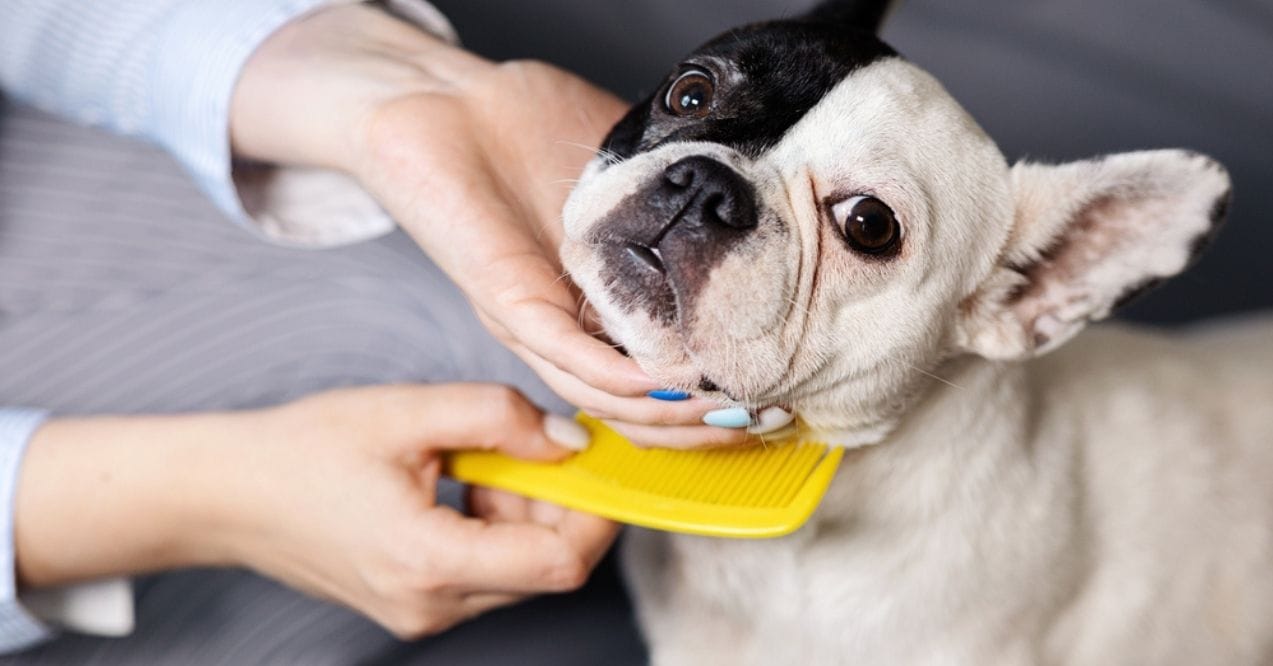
647, 256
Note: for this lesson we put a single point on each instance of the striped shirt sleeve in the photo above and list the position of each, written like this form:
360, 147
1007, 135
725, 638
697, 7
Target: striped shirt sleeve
18, 627
165, 71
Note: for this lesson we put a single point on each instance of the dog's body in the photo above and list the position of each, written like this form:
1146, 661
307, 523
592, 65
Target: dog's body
1041, 513
800, 217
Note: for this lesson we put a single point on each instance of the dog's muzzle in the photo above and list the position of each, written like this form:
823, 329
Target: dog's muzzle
669, 234
711, 201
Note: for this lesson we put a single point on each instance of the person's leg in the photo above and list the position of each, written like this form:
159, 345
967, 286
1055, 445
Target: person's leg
121, 290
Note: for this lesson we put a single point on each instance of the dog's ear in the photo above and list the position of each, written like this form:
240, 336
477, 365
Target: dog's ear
1087, 237
865, 15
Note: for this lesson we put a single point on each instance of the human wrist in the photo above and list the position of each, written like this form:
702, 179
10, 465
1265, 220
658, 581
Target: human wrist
302, 97
111, 496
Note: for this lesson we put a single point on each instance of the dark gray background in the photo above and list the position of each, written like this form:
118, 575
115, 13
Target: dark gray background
1054, 80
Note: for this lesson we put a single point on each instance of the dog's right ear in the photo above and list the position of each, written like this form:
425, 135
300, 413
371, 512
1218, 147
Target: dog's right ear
866, 15
1087, 237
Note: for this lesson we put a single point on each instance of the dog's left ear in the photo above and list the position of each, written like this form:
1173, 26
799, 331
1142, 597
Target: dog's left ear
866, 15
1087, 237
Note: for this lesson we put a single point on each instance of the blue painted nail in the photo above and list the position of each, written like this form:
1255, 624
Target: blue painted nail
732, 417
670, 395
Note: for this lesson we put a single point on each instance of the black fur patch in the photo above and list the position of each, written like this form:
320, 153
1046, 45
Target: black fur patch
1136, 291
1219, 213
862, 14
786, 68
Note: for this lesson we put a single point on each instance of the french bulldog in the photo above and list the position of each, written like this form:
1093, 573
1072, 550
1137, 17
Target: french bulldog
799, 216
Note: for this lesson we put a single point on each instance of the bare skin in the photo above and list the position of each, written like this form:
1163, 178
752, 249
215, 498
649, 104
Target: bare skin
334, 495
474, 159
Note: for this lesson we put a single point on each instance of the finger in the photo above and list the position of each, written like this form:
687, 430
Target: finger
525, 293
476, 416
681, 437
553, 333
642, 410
498, 506
590, 536
494, 505
522, 558
477, 603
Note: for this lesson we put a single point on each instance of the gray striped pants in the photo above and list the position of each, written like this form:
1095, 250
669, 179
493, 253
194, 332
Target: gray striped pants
122, 290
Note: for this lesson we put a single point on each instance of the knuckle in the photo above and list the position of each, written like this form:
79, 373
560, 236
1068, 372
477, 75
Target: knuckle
504, 402
415, 623
425, 582
569, 574
413, 576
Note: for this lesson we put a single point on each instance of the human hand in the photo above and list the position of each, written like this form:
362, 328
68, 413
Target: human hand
345, 505
474, 160
333, 494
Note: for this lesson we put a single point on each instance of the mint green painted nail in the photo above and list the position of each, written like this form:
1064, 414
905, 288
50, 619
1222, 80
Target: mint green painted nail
730, 417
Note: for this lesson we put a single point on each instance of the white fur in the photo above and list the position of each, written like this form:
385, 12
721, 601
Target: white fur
1104, 504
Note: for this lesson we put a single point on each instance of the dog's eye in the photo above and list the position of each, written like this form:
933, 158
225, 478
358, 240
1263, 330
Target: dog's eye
868, 224
690, 95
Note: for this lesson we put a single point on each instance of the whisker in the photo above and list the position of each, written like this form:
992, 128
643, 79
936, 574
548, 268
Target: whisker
565, 275
610, 156
943, 380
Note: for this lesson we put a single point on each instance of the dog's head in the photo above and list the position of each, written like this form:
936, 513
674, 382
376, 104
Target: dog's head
799, 216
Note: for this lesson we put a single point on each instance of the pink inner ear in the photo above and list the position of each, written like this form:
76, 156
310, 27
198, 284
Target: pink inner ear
1116, 247
1087, 236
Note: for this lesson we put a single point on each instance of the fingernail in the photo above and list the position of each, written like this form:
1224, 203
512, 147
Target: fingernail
566, 432
770, 419
730, 417
669, 395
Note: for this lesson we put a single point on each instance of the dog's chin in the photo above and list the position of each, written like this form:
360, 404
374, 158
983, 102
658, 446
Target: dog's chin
721, 371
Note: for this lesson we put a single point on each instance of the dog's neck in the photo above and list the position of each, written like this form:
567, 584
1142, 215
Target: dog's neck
958, 439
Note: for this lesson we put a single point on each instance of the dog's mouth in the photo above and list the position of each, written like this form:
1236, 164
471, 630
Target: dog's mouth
650, 257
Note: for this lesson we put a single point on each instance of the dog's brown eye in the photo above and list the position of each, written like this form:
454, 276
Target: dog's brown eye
868, 224
690, 95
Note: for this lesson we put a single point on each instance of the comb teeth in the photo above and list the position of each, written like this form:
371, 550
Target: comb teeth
760, 477
760, 492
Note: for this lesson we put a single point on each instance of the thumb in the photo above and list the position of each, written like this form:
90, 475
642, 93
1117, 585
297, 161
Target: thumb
491, 417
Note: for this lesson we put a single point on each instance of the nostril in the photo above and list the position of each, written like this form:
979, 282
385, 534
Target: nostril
731, 208
705, 191
680, 174
717, 206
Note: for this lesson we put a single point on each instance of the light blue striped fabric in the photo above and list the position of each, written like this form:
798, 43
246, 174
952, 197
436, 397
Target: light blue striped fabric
18, 629
163, 70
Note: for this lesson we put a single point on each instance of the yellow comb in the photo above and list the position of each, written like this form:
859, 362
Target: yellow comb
757, 492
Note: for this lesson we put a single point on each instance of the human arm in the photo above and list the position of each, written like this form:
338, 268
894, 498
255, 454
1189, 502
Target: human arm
327, 103
332, 494
474, 159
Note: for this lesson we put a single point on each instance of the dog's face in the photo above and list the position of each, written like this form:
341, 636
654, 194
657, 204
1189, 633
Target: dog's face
799, 216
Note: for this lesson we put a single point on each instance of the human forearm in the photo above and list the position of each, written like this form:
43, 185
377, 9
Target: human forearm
111, 496
333, 495
305, 94
162, 70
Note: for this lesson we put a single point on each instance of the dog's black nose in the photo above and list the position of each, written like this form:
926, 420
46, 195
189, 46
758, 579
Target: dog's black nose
709, 194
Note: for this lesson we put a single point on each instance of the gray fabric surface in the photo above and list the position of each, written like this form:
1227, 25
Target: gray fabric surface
122, 290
